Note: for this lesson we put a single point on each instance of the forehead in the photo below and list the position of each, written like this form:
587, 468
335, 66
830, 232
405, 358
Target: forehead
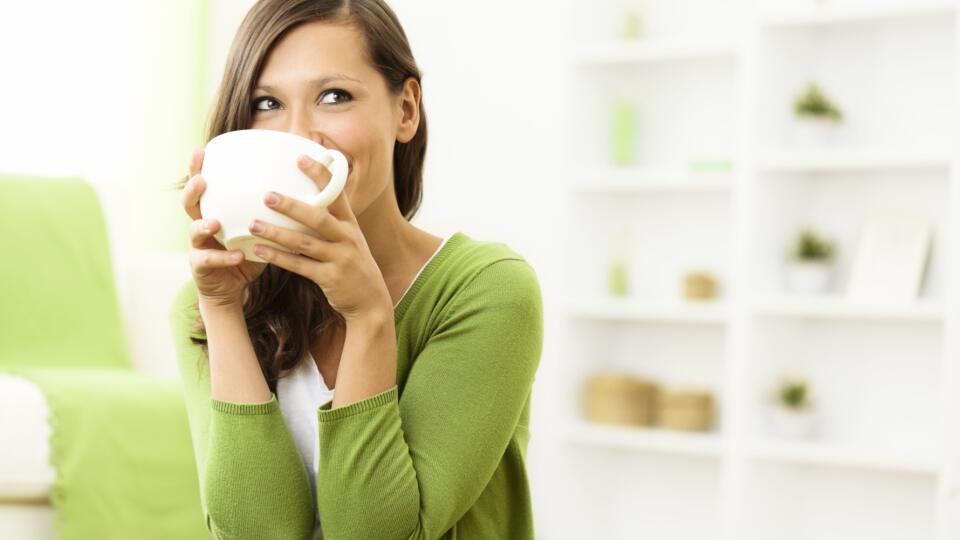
316, 49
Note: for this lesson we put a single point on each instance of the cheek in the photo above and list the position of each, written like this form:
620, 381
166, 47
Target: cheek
367, 148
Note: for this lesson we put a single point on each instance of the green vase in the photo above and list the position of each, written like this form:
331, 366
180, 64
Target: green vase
624, 132
618, 278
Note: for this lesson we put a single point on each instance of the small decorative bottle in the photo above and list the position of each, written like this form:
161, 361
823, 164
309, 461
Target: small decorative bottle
623, 132
619, 262
632, 12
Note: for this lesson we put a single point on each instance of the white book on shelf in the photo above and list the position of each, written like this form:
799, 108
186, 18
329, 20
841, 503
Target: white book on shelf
891, 256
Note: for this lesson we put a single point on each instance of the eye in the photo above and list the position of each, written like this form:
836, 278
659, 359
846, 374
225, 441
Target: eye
344, 96
257, 102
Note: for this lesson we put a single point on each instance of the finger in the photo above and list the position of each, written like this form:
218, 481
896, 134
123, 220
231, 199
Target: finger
205, 260
196, 161
317, 249
297, 264
202, 233
316, 218
190, 197
321, 177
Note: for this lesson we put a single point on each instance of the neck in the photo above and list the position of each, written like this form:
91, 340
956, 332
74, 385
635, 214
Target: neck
395, 244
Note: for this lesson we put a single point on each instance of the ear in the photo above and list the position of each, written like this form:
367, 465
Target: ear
409, 102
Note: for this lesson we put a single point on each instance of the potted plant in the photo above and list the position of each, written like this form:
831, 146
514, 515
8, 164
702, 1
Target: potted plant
817, 117
810, 263
793, 415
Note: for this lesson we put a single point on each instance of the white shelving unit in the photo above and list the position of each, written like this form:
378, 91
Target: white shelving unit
714, 80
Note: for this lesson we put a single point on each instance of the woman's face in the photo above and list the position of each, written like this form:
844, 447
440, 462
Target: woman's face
318, 84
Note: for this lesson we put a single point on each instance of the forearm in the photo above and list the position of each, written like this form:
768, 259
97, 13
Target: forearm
253, 483
235, 374
368, 363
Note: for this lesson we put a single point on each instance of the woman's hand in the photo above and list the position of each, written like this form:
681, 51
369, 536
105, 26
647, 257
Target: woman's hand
334, 255
221, 276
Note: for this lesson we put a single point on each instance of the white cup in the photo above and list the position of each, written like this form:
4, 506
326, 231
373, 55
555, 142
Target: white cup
240, 167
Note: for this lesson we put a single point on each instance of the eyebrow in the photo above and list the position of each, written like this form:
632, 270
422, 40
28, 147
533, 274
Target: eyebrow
314, 82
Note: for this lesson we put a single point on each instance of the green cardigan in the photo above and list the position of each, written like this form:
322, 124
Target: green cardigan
439, 455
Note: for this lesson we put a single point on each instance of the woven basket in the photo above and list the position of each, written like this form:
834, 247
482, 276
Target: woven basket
688, 410
699, 286
613, 398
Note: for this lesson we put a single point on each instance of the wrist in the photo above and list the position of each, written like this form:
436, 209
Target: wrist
372, 320
211, 305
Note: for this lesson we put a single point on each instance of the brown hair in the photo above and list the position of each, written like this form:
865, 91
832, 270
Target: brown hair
284, 311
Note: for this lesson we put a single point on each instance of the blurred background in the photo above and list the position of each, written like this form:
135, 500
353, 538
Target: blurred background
742, 215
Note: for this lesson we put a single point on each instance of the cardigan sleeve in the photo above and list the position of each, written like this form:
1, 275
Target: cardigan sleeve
253, 485
411, 467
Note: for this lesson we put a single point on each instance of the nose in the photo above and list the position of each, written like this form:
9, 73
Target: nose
301, 125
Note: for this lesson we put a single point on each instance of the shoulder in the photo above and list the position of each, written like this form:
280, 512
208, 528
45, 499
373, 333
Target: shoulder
491, 272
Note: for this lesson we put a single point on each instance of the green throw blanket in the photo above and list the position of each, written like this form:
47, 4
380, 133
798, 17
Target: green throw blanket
121, 444
122, 453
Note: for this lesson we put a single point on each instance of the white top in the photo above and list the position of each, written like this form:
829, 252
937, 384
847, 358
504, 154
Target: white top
302, 390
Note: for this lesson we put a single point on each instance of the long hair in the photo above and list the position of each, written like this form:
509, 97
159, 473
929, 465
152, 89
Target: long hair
286, 312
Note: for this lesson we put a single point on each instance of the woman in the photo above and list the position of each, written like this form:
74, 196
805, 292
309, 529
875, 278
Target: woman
377, 385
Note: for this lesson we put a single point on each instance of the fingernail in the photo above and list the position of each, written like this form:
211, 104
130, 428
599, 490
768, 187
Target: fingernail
260, 250
236, 256
272, 198
206, 225
305, 161
257, 227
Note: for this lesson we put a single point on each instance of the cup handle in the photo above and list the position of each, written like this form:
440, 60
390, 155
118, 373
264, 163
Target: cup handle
336, 163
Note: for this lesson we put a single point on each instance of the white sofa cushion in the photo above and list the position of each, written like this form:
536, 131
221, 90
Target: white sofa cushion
25, 470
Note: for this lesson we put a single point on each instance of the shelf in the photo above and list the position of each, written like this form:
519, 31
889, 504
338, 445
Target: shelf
805, 160
838, 307
877, 457
630, 310
829, 15
656, 440
638, 180
621, 52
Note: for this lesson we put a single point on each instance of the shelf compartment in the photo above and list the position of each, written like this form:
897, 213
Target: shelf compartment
654, 440
828, 503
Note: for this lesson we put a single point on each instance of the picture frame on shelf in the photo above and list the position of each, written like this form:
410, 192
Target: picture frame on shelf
891, 256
